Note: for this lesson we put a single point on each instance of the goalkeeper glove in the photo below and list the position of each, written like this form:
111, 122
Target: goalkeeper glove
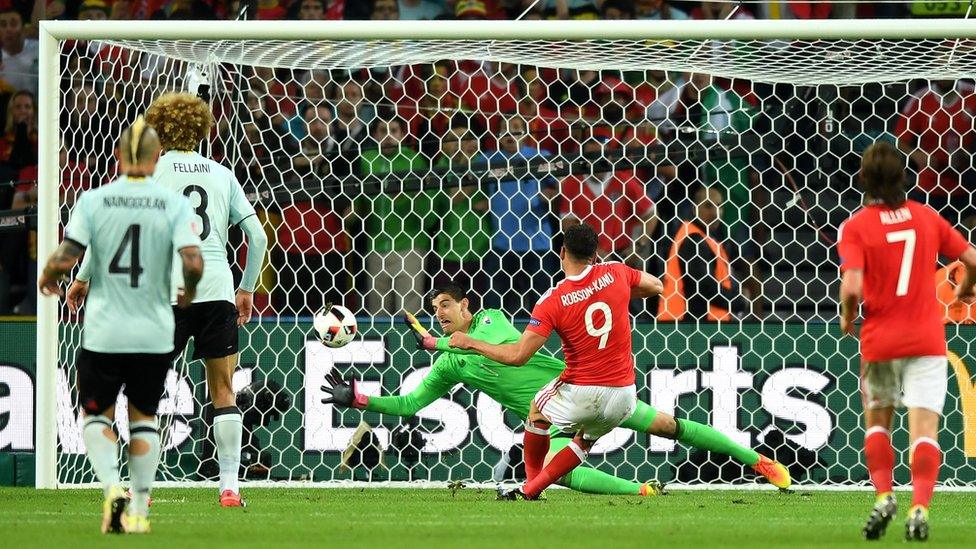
343, 392
423, 337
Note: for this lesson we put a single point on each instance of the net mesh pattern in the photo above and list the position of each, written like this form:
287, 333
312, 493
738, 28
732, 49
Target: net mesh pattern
382, 169
788, 61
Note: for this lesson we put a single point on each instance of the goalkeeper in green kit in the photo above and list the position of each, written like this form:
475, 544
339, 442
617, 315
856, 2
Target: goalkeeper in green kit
515, 387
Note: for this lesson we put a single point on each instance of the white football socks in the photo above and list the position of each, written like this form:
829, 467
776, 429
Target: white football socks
142, 468
103, 452
228, 427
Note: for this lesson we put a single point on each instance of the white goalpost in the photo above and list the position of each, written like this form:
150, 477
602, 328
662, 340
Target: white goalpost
774, 114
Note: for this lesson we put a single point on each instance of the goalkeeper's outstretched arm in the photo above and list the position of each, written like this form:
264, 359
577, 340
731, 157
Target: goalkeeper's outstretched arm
345, 393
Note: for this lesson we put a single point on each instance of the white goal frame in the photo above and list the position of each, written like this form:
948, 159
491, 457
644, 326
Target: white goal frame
51, 32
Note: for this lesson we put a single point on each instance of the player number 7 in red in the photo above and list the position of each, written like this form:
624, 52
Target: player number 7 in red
603, 332
905, 272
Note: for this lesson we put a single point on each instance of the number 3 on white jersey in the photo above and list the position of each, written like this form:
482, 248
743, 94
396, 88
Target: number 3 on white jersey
905, 272
603, 332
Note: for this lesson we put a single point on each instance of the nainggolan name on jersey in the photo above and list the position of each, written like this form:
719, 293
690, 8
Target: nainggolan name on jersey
585, 293
134, 202
894, 217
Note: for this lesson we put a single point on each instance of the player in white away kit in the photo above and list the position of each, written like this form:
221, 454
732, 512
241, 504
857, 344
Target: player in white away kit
182, 121
596, 391
131, 229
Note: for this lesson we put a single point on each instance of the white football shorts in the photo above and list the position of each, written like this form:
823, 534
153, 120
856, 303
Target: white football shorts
594, 409
913, 382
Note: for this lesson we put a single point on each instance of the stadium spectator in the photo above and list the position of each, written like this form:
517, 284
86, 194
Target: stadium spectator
429, 117
698, 281
617, 9
317, 85
658, 9
18, 154
716, 113
522, 251
477, 10
548, 131
94, 10
385, 10
395, 224
20, 54
313, 151
312, 247
619, 119
412, 10
84, 122
465, 231
567, 9
18, 144
936, 130
615, 205
309, 10
350, 128
488, 89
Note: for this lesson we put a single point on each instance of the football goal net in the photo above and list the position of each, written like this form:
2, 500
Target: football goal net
388, 159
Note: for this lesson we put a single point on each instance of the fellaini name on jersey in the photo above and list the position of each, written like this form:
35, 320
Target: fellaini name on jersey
894, 217
585, 293
190, 168
134, 202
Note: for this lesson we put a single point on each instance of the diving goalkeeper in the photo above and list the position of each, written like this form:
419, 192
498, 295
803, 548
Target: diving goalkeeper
514, 388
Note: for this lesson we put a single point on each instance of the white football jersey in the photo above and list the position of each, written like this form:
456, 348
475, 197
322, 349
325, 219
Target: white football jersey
219, 203
131, 229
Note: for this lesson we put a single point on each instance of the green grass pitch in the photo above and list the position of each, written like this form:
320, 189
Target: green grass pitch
402, 518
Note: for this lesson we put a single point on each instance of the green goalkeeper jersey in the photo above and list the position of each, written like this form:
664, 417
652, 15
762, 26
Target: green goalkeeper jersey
512, 387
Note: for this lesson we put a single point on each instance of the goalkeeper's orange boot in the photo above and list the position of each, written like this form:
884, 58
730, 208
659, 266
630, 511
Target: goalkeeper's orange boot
230, 498
651, 488
774, 471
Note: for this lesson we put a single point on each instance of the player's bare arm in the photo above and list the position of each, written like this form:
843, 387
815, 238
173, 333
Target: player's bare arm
513, 354
851, 288
58, 266
966, 291
192, 272
649, 286
257, 247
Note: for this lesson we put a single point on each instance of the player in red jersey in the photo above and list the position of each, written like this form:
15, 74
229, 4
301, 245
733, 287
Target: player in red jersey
888, 252
596, 391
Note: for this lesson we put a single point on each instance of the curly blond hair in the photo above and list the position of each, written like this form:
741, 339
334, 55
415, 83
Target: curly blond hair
181, 120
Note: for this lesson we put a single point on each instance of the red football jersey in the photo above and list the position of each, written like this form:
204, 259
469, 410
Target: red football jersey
897, 249
590, 313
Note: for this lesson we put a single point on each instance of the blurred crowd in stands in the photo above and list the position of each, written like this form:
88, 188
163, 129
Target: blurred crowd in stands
375, 184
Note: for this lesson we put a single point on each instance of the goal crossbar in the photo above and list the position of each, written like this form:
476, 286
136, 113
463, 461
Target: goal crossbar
513, 30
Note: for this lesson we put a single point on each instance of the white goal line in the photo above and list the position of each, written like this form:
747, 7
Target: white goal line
443, 485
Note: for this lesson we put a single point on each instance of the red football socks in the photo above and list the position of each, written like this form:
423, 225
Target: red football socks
563, 462
536, 444
880, 457
925, 460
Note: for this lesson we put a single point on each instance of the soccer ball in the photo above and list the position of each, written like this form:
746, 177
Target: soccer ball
335, 326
